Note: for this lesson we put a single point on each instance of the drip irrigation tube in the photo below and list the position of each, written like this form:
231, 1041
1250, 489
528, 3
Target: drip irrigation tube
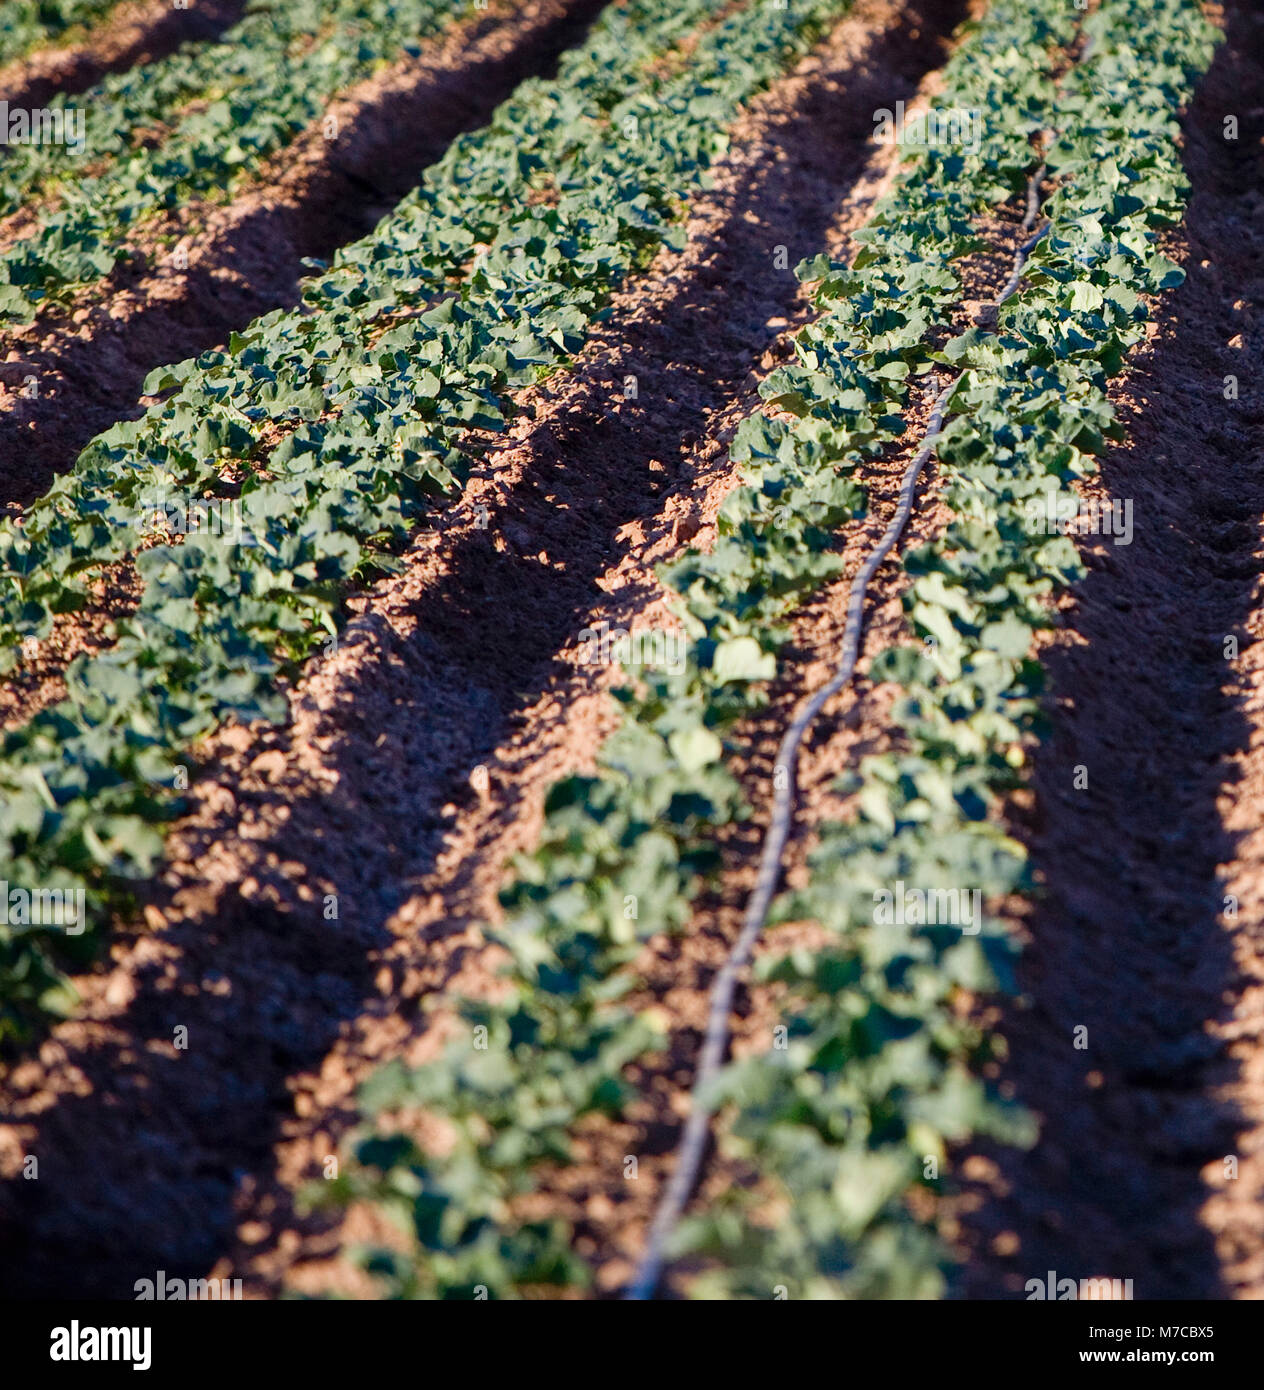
697, 1127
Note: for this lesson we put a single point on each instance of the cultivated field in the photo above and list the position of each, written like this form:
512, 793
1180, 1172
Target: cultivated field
631, 649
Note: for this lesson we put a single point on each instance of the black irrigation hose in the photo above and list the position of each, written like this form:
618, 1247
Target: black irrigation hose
698, 1126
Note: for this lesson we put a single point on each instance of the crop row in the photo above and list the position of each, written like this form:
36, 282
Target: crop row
878, 1072
335, 428
193, 125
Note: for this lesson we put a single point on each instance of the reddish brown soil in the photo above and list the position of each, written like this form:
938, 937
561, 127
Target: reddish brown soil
468, 660
245, 259
132, 34
1130, 940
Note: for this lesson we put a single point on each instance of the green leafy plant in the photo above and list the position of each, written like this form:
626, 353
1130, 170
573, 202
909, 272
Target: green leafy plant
340, 424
